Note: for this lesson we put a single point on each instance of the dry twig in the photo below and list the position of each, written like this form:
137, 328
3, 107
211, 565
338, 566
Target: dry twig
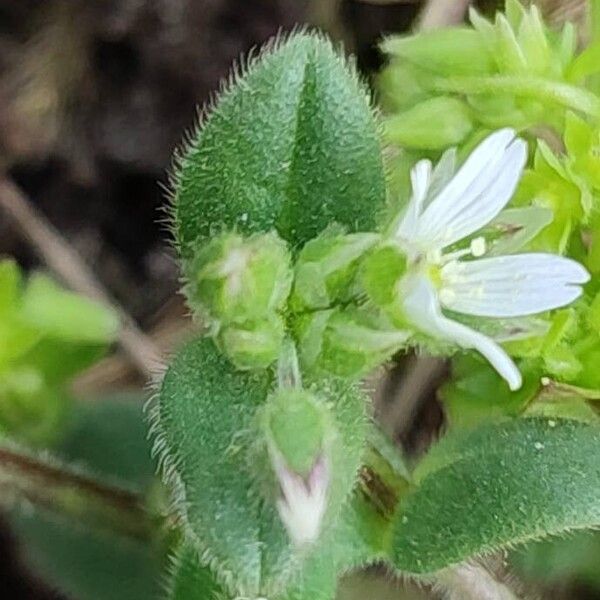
60, 257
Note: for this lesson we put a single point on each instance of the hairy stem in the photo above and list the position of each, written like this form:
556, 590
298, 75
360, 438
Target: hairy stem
78, 497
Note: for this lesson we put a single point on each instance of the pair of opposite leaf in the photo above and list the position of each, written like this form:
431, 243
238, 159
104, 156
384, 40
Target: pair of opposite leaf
438, 273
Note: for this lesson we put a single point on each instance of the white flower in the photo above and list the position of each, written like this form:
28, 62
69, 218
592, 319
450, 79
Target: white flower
303, 501
442, 212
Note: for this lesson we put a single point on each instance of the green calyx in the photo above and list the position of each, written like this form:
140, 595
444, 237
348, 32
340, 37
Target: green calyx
297, 428
252, 344
325, 269
234, 279
347, 342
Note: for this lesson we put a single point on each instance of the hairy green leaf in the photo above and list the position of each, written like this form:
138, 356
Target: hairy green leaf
291, 144
500, 486
107, 437
189, 579
87, 564
205, 426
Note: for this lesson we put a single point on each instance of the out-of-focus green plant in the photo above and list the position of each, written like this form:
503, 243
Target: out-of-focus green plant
47, 334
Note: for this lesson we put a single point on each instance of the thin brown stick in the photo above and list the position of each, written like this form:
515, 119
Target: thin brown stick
81, 498
60, 257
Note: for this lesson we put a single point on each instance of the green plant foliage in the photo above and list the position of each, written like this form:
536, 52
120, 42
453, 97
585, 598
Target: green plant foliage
357, 539
473, 396
189, 580
291, 144
513, 71
48, 335
87, 564
106, 437
500, 486
60, 314
205, 436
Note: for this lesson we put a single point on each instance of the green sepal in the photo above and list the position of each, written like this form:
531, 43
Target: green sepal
326, 267
298, 428
433, 124
252, 344
235, 279
380, 273
456, 51
347, 342
582, 140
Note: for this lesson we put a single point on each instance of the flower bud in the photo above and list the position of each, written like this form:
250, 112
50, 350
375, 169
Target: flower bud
433, 124
252, 344
298, 429
239, 279
453, 51
326, 267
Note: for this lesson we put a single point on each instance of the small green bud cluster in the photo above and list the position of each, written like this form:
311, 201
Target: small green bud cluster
337, 300
442, 86
240, 287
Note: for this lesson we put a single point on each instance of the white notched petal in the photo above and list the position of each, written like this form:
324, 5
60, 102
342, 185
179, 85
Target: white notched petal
420, 177
511, 286
421, 306
441, 175
303, 502
476, 194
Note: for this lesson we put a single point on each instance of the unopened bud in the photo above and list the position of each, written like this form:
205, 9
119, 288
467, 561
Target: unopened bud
298, 430
432, 124
452, 51
238, 279
252, 344
303, 501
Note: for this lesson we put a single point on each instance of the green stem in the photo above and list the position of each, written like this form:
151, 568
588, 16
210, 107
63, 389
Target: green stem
538, 88
78, 497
